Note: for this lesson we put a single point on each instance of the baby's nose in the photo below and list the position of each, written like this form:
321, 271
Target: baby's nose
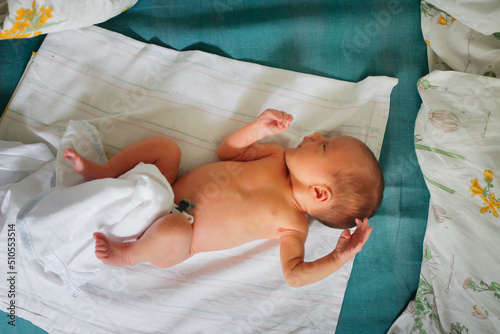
316, 136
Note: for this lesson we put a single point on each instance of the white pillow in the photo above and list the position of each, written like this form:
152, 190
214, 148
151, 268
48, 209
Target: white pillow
457, 140
28, 18
480, 15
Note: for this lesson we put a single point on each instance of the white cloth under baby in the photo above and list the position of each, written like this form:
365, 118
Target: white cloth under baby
57, 225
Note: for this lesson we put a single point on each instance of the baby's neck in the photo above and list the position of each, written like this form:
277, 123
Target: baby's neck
295, 196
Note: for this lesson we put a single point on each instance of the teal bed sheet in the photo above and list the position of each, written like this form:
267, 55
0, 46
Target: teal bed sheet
341, 39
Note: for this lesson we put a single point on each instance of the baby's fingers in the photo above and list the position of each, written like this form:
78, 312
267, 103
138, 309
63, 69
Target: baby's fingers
285, 119
280, 117
363, 229
362, 224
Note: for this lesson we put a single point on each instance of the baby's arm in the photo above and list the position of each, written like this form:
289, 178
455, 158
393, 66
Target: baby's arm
242, 144
299, 273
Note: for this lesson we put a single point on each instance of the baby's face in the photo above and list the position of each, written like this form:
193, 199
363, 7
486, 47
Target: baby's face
317, 155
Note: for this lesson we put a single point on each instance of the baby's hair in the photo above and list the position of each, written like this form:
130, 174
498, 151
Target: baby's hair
356, 194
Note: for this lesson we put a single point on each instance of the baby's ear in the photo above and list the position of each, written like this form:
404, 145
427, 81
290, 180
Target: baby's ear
321, 193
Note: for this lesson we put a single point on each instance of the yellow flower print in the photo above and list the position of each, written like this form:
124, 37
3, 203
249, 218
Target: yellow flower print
28, 22
476, 188
446, 20
436, 15
488, 176
488, 197
47, 13
491, 205
21, 26
22, 13
442, 21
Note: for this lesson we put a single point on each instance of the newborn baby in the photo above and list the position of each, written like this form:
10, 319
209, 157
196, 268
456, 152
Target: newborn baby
256, 191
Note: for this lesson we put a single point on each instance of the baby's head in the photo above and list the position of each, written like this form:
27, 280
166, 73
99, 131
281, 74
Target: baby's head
335, 180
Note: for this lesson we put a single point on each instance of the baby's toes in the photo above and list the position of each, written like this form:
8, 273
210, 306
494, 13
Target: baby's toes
69, 154
101, 245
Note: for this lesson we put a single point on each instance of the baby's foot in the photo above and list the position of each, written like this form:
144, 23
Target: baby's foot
88, 169
111, 252
76, 159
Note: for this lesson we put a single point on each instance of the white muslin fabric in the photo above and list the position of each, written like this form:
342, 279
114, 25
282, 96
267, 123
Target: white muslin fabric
57, 226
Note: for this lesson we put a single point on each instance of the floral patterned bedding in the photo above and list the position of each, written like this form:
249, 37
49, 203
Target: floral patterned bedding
457, 141
30, 18
454, 45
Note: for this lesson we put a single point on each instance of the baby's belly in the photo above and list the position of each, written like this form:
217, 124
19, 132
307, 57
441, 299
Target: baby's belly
228, 210
210, 235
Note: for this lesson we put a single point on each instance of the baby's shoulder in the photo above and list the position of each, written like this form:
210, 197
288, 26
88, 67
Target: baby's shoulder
273, 157
293, 221
269, 150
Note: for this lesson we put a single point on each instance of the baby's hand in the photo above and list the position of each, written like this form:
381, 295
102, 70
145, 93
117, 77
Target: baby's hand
350, 245
274, 121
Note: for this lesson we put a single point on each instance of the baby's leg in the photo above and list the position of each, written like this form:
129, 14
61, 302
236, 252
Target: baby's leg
165, 243
162, 152
88, 169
